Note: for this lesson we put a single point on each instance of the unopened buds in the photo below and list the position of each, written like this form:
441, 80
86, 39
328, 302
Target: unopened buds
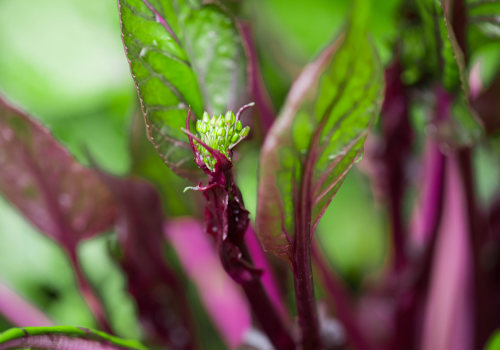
221, 133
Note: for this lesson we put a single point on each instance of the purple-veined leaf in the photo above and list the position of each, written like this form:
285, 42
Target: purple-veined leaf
63, 338
220, 295
65, 200
19, 311
162, 305
317, 137
58, 195
181, 54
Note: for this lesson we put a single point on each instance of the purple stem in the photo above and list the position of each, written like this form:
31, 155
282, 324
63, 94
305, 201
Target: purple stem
395, 150
428, 211
66, 237
302, 273
268, 278
344, 306
226, 219
449, 311
477, 228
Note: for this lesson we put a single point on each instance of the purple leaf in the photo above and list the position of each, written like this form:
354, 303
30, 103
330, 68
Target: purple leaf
19, 311
220, 295
63, 199
161, 300
59, 196
449, 312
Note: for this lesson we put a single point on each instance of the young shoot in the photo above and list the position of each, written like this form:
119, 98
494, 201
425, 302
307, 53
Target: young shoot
221, 133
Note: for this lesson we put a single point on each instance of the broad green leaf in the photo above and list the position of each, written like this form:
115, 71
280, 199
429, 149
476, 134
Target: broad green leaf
181, 55
62, 338
318, 136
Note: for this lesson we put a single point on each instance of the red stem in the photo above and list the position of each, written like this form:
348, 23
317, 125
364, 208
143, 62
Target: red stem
303, 279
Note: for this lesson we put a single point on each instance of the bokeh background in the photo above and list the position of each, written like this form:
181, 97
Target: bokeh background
63, 61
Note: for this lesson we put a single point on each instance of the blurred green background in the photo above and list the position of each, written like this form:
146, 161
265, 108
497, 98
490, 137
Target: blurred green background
63, 61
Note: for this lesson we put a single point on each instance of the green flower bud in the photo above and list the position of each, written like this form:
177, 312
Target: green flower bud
235, 138
199, 127
221, 132
230, 118
239, 126
244, 132
206, 117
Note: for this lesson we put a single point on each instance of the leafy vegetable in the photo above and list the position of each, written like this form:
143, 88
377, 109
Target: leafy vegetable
63, 338
182, 55
317, 137
59, 196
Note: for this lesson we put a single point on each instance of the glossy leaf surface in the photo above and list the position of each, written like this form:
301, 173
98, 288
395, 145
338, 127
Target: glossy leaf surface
54, 192
318, 136
181, 55
63, 338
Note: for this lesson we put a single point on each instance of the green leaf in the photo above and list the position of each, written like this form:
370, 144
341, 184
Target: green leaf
318, 136
63, 337
494, 342
181, 55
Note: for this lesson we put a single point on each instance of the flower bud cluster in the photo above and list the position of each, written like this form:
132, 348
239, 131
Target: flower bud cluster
221, 133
